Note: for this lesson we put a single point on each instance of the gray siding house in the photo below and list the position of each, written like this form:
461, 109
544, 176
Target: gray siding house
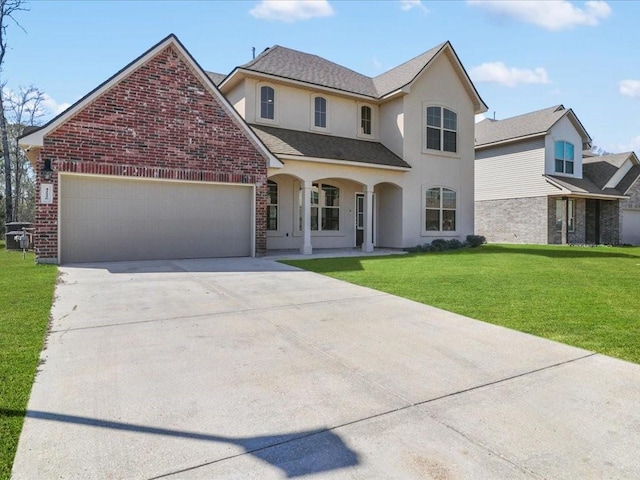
536, 182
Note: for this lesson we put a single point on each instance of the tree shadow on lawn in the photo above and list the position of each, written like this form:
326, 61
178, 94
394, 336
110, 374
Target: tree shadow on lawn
295, 454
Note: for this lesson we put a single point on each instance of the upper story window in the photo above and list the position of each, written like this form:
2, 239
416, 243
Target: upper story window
564, 157
267, 103
320, 112
272, 205
442, 129
440, 206
366, 120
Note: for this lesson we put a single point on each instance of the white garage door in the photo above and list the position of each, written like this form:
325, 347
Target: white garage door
109, 219
631, 227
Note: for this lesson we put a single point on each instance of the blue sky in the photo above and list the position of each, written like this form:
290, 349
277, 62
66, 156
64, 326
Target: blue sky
522, 56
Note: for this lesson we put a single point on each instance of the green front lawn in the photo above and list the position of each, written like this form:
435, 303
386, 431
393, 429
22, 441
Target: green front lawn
583, 296
26, 293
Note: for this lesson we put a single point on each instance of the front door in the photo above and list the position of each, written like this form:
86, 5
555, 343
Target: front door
360, 219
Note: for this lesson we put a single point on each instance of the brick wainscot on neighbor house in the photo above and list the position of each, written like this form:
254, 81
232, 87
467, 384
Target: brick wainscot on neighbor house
537, 182
289, 151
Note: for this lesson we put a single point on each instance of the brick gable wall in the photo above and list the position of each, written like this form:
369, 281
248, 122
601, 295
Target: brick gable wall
158, 122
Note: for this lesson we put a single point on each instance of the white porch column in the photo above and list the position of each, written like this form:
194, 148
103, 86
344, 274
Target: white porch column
306, 248
367, 238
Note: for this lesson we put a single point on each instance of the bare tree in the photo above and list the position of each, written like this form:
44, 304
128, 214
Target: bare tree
8, 8
24, 108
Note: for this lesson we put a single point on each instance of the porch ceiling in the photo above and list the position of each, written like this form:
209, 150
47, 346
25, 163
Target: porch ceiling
282, 141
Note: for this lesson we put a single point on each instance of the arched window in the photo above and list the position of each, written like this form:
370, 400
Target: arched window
365, 120
442, 129
320, 112
440, 205
564, 157
272, 205
267, 103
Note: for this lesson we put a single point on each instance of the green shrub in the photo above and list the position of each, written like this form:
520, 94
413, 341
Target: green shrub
475, 240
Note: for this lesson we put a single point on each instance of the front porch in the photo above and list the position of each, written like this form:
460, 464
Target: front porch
304, 215
579, 220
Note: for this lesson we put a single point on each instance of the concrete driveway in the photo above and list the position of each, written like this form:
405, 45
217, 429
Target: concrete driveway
245, 368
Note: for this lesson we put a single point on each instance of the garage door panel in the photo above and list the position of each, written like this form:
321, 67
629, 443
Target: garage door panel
631, 226
106, 219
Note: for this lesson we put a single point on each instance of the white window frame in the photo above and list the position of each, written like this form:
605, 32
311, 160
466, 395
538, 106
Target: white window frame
277, 205
259, 117
313, 125
441, 128
320, 206
374, 125
564, 160
441, 209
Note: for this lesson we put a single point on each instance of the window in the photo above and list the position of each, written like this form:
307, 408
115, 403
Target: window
440, 204
571, 215
272, 205
320, 112
564, 157
325, 207
442, 129
365, 120
267, 103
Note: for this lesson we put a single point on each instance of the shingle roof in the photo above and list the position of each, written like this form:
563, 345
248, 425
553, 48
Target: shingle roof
522, 126
629, 179
216, 78
583, 186
600, 169
294, 65
282, 141
538, 122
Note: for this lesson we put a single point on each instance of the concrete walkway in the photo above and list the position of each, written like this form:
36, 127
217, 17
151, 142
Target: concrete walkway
245, 368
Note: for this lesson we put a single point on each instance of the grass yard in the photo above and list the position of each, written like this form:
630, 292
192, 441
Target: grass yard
26, 293
588, 297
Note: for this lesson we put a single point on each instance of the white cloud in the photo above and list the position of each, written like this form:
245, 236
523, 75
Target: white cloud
50, 105
291, 10
407, 5
630, 88
632, 145
498, 72
548, 14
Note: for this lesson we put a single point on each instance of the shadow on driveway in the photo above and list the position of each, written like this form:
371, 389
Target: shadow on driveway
325, 453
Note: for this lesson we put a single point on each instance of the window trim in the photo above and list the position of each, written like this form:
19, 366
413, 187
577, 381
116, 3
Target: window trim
276, 205
320, 206
360, 132
456, 218
441, 129
564, 160
259, 117
312, 120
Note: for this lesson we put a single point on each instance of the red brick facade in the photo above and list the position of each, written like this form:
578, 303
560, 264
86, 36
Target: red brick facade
160, 121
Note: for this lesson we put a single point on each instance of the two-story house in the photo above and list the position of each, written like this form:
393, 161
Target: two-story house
384, 161
534, 183
289, 151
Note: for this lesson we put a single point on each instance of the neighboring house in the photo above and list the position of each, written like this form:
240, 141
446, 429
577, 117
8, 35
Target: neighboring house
534, 185
155, 163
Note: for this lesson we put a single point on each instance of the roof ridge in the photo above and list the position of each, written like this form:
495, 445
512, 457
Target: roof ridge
437, 47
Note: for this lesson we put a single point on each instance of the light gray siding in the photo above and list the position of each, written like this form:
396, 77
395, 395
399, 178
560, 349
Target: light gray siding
512, 171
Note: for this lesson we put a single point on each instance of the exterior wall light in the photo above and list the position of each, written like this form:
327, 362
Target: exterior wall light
46, 171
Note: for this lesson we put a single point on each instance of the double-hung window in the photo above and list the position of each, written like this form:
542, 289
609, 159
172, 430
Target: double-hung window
564, 157
440, 206
272, 205
442, 129
325, 207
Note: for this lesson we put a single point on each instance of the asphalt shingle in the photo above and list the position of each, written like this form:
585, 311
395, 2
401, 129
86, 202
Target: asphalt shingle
282, 141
